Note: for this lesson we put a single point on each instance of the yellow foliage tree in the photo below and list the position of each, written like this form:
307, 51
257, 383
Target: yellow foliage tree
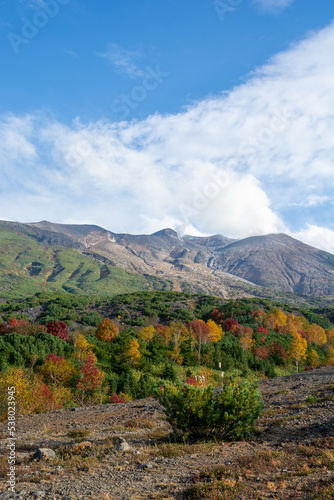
281, 318
147, 333
31, 394
205, 377
313, 358
107, 330
178, 333
304, 323
133, 354
176, 355
298, 349
270, 321
57, 369
15, 377
316, 334
82, 349
292, 325
216, 331
246, 339
62, 395
275, 319
329, 359
330, 335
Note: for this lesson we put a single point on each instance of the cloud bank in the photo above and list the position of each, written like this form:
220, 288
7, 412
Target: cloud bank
239, 163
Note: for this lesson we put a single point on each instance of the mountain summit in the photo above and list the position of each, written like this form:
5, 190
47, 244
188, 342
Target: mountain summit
213, 264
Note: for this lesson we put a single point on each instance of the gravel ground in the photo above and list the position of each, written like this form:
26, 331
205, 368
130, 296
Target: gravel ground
98, 468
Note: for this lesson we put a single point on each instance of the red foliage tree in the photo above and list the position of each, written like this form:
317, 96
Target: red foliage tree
58, 329
278, 349
22, 327
191, 381
217, 316
54, 358
263, 330
17, 322
114, 398
45, 398
231, 325
90, 378
261, 353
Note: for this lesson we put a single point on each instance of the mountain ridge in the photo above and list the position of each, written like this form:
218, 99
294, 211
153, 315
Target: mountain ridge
207, 264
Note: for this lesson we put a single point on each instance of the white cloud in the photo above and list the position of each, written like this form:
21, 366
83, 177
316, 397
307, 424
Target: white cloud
230, 164
273, 5
313, 200
122, 60
319, 237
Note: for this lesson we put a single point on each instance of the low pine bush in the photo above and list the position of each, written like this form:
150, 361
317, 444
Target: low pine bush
230, 414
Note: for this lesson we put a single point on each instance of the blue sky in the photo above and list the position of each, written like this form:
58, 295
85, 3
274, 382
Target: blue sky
207, 116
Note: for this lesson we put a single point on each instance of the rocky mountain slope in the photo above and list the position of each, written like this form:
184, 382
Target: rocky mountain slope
275, 260
278, 261
216, 264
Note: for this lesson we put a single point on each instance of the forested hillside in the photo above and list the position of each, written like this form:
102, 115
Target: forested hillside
65, 350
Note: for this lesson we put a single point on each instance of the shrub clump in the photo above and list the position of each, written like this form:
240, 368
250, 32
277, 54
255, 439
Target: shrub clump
230, 414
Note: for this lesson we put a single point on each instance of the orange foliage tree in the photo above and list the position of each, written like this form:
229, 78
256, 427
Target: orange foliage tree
164, 333
107, 330
316, 334
246, 339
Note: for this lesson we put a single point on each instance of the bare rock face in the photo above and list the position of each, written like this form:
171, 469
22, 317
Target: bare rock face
278, 261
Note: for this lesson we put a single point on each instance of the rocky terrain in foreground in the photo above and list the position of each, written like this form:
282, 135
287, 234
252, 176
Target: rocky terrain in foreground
122, 451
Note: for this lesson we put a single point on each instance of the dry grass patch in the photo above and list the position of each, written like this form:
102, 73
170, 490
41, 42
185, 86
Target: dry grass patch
172, 450
272, 412
144, 423
306, 469
79, 433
